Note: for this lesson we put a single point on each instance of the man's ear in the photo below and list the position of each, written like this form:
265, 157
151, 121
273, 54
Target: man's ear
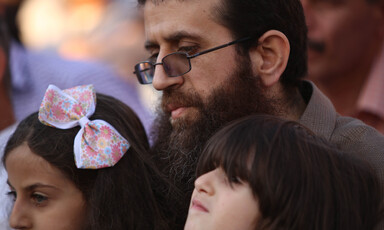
269, 59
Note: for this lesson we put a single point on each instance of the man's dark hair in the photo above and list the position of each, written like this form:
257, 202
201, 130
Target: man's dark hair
255, 17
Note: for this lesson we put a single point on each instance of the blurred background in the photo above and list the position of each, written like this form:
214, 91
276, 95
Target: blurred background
108, 31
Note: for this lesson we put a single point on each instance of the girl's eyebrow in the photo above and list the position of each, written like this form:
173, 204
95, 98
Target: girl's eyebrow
34, 186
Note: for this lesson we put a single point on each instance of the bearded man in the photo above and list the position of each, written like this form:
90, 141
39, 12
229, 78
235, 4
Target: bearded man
219, 60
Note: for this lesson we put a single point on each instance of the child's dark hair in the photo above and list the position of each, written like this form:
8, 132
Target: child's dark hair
129, 195
299, 180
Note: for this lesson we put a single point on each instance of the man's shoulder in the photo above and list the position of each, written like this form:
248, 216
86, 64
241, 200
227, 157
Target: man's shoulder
354, 131
348, 133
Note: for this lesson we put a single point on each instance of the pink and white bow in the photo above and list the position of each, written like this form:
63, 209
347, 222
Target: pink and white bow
97, 144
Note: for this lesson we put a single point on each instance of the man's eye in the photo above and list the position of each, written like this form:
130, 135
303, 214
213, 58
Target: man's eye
153, 58
38, 199
188, 49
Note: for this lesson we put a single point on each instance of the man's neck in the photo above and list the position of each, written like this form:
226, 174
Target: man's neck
7, 117
290, 103
295, 105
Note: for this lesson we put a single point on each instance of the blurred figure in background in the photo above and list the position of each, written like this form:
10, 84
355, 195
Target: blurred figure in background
346, 55
31, 72
107, 31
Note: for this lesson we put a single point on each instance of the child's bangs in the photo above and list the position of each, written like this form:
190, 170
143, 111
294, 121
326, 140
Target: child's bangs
231, 153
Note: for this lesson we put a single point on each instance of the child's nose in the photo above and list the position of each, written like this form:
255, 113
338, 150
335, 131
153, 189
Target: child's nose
19, 218
204, 184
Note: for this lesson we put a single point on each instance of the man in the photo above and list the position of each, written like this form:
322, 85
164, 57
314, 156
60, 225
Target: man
346, 55
234, 58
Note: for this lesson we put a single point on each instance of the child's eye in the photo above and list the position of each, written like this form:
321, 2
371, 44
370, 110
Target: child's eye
38, 199
12, 194
235, 180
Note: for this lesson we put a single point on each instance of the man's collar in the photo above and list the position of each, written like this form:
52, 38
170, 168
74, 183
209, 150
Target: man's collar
320, 115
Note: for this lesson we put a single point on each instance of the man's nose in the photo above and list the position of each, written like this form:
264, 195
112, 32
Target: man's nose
162, 81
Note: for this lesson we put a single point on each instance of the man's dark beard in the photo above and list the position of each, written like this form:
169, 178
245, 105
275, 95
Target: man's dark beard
178, 148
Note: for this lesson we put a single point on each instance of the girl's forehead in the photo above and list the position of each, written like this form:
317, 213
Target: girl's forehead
25, 168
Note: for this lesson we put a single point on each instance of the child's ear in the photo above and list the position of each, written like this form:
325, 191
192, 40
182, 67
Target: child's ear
270, 57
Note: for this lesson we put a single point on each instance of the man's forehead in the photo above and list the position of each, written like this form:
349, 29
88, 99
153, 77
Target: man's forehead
174, 37
158, 2
173, 20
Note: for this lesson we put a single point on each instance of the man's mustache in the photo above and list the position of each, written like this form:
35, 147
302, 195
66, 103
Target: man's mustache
180, 99
316, 46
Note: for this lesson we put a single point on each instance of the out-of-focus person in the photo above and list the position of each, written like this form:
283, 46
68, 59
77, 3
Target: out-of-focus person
107, 31
32, 71
346, 55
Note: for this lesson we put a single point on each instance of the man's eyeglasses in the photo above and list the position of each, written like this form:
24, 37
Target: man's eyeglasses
174, 64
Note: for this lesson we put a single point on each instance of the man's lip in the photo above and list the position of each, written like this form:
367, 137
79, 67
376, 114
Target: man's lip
196, 204
172, 107
178, 112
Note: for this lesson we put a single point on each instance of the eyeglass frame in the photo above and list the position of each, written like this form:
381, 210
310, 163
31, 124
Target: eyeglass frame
188, 57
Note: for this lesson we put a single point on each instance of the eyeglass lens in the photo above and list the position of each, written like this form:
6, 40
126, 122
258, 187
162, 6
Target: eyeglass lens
174, 64
144, 72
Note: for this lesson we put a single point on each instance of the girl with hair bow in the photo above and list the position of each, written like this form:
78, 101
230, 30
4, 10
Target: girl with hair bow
82, 162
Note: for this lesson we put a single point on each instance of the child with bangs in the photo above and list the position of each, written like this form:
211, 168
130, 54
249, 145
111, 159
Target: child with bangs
262, 172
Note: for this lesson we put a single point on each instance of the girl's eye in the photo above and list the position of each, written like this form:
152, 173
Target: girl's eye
235, 180
39, 199
12, 194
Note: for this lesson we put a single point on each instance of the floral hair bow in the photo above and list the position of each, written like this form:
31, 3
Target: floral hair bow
97, 144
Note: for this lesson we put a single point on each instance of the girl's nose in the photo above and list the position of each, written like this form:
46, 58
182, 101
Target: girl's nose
205, 183
20, 218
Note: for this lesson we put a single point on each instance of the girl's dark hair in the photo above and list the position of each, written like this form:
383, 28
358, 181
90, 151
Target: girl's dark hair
129, 195
300, 181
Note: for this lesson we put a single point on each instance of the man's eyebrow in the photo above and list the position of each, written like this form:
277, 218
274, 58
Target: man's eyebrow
173, 38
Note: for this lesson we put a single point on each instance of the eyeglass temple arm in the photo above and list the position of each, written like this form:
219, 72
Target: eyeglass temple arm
219, 47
